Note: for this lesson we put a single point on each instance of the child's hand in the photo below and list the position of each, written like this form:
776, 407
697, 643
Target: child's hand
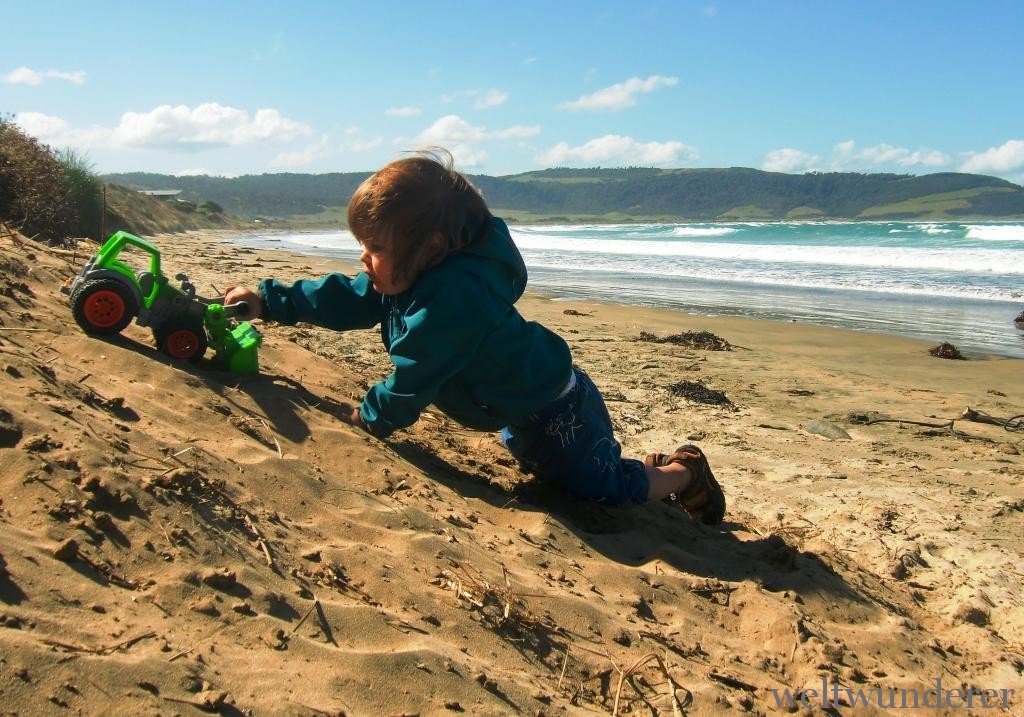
252, 299
354, 419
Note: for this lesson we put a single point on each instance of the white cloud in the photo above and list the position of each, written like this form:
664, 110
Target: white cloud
402, 111
1008, 157
361, 145
23, 76
788, 159
209, 124
28, 76
302, 158
484, 100
491, 98
462, 139
450, 97
620, 96
59, 132
192, 173
847, 157
76, 78
620, 151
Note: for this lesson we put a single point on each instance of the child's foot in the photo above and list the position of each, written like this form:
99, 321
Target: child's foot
702, 497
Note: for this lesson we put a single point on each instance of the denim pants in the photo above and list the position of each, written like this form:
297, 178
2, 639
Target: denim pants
570, 442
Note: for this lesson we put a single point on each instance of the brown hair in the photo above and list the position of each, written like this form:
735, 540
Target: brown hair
408, 201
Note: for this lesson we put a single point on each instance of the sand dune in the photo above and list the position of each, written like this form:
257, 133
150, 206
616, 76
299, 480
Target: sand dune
175, 539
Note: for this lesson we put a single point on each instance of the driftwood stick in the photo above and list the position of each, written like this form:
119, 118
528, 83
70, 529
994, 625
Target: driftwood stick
947, 424
677, 709
731, 681
182, 654
565, 662
306, 616
185, 652
1014, 423
260, 540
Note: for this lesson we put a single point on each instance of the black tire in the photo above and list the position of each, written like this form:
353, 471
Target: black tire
181, 340
103, 307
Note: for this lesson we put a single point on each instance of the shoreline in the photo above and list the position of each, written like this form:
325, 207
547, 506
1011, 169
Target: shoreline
876, 313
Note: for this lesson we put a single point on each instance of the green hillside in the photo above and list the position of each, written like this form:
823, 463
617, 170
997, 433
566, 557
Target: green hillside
636, 194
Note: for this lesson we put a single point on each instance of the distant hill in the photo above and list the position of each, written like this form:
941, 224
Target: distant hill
128, 210
636, 194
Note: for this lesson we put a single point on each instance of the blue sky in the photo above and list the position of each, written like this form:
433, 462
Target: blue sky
232, 88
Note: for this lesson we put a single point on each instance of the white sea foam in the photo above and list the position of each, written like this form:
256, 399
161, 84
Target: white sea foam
932, 228
996, 232
327, 240
959, 260
703, 231
757, 275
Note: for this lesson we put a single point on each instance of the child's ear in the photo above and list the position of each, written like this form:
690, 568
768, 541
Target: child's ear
437, 247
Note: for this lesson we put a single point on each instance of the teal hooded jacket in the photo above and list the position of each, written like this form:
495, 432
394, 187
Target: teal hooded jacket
455, 337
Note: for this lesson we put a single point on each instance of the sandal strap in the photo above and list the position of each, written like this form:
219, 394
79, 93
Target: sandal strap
703, 483
655, 460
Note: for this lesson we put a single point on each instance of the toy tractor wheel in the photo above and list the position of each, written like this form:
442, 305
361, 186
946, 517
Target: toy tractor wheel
103, 307
181, 341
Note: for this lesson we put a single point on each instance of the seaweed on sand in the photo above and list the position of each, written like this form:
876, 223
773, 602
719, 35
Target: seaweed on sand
704, 340
696, 391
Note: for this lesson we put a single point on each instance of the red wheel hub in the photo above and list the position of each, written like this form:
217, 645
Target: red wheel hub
182, 343
104, 308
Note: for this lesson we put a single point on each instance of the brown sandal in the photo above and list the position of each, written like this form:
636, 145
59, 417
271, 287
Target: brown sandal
711, 510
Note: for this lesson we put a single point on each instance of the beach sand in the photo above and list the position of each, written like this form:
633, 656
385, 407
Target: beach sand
237, 549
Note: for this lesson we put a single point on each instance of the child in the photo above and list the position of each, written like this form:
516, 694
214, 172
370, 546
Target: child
441, 277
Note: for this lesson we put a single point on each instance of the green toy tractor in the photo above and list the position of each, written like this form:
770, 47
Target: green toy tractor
108, 293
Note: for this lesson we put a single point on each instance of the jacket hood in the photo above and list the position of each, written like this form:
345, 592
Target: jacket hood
502, 267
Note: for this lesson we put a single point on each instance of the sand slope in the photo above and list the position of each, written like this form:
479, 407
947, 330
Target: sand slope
237, 549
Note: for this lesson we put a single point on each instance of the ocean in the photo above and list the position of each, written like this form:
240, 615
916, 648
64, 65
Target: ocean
961, 283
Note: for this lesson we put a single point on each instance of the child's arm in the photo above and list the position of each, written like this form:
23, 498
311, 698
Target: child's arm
333, 301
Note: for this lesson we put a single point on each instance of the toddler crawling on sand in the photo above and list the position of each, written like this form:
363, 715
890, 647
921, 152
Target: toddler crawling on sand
441, 277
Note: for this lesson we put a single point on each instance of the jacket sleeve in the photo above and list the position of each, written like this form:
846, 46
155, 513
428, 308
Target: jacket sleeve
443, 329
333, 301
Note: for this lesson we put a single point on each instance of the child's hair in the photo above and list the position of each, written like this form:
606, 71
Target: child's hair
408, 201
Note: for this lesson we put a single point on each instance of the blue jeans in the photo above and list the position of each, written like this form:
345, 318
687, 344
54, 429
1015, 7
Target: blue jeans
570, 442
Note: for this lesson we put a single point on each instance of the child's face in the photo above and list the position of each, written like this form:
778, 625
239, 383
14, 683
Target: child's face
378, 262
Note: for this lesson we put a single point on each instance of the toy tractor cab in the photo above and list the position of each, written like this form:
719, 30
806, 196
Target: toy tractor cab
108, 293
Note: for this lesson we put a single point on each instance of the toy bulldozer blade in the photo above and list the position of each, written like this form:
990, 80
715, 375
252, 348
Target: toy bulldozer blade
237, 349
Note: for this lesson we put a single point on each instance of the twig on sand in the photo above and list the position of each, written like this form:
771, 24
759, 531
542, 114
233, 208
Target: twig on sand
950, 424
731, 681
260, 540
711, 591
273, 438
1014, 423
306, 616
677, 708
565, 661
105, 650
185, 652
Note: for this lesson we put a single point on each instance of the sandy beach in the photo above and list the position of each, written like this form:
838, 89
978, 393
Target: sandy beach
175, 539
